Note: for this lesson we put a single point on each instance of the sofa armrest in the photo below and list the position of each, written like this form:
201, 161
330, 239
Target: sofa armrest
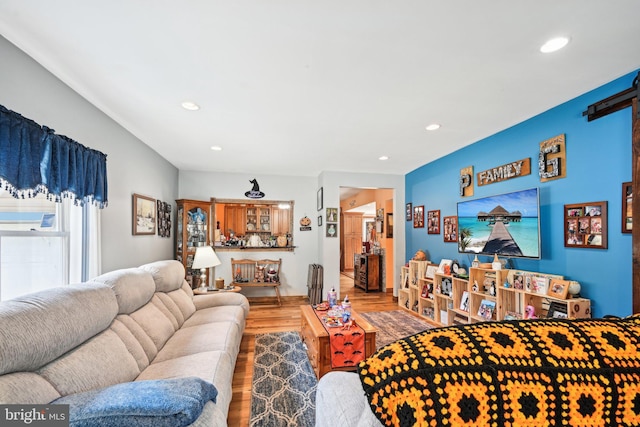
341, 402
220, 299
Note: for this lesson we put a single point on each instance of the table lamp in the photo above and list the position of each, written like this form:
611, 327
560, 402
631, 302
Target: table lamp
205, 257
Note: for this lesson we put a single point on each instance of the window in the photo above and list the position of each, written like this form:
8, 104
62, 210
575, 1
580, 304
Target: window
42, 244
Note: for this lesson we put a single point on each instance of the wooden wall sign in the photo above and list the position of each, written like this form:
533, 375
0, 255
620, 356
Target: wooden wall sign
466, 181
552, 159
505, 172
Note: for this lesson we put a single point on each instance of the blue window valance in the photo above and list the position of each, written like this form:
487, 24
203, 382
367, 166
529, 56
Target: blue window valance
34, 159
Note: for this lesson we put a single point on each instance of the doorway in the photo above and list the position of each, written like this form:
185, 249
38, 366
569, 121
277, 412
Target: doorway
364, 217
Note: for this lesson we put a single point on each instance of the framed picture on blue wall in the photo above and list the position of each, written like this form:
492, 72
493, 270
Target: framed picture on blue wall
585, 225
627, 211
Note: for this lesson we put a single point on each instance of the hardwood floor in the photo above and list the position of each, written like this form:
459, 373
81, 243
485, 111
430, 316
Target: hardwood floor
268, 317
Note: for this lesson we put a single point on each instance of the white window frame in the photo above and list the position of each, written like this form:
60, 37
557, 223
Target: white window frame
80, 233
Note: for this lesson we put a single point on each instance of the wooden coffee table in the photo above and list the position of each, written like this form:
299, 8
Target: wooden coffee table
316, 338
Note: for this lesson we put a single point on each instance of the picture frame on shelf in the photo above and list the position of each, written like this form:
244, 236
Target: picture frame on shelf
486, 309
408, 212
512, 315
418, 217
443, 264
559, 288
432, 269
319, 200
557, 310
627, 207
446, 287
539, 285
433, 222
450, 229
144, 215
518, 281
464, 301
585, 225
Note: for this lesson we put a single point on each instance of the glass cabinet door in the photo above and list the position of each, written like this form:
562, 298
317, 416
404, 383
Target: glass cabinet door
192, 231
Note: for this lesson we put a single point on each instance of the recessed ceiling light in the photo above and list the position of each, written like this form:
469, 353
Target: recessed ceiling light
433, 126
191, 106
554, 44
383, 158
216, 148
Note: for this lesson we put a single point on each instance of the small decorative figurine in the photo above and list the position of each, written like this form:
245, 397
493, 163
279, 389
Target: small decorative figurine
530, 312
506, 284
420, 256
496, 264
492, 289
476, 262
474, 288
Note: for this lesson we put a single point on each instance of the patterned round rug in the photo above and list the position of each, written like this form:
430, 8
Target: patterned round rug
284, 384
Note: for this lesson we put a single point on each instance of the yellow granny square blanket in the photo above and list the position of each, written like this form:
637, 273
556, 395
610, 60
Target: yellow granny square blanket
545, 372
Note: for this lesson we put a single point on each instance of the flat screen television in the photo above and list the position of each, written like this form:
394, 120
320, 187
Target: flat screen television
506, 224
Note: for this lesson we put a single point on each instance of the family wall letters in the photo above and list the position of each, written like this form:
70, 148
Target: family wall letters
504, 172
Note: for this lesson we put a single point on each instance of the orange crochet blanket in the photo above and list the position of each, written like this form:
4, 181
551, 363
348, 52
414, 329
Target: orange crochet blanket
546, 372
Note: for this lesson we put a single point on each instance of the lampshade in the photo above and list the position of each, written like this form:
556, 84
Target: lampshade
205, 258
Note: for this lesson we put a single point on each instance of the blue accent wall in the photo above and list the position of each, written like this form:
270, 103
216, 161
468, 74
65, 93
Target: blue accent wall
598, 162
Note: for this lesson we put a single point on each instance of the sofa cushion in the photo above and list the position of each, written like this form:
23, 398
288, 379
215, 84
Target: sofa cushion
214, 366
154, 323
147, 344
133, 287
227, 313
174, 402
40, 327
99, 362
26, 388
131, 342
168, 275
183, 298
223, 336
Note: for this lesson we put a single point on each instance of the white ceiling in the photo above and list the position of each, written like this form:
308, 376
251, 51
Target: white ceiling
299, 87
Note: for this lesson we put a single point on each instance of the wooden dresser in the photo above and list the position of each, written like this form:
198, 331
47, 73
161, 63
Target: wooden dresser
366, 272
316, 338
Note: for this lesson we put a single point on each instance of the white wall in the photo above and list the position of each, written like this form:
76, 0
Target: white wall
132, 167
205, 185
311, 246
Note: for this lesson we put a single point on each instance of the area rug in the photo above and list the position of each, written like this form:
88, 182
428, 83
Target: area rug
283, 391
393, 325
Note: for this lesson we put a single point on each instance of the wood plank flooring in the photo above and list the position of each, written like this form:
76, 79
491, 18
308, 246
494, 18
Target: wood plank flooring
265, 316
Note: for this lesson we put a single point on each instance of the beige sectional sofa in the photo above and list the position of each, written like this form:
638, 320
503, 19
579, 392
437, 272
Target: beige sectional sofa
133, 324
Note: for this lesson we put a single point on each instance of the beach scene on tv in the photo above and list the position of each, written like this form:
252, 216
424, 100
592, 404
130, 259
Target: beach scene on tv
506, 224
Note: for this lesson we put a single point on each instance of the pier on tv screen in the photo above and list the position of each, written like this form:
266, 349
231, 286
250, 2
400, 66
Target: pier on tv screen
506, 224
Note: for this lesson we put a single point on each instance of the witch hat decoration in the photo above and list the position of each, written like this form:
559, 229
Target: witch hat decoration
255, 192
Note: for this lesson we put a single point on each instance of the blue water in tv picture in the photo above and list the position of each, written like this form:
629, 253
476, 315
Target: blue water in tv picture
506, 224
